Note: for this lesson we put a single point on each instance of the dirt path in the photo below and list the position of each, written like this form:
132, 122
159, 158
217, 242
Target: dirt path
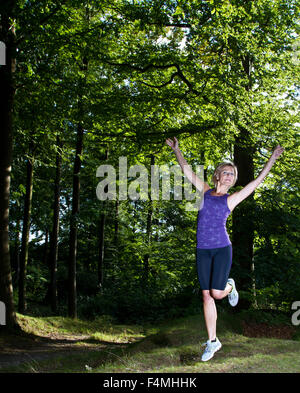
15, 350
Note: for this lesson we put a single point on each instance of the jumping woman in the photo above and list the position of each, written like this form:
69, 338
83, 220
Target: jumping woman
214, 252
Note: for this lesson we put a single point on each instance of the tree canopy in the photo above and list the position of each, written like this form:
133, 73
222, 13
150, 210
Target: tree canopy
88, 82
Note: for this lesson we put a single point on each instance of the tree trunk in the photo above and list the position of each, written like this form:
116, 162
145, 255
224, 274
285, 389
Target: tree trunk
72, 295
25, 237
46, 248
242, 222
101, 232
116, 235
101, 251
243, 228
16, 255
7, 91
54, 233
72, 304
148, 231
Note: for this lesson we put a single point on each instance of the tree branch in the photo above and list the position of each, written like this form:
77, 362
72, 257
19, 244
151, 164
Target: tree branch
141, 69
154, 66
192, 129
164, 84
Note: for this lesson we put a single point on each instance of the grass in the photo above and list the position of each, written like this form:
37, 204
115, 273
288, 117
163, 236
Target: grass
101, 346
100, 329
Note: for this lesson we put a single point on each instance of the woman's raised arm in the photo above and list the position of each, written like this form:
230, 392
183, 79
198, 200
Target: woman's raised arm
237, 197
187, 170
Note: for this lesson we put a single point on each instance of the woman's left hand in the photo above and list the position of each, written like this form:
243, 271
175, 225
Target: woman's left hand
277, 151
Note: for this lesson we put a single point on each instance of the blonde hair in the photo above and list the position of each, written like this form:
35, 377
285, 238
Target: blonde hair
219, 168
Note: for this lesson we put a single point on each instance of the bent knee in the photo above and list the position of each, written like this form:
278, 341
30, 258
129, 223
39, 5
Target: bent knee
217, 294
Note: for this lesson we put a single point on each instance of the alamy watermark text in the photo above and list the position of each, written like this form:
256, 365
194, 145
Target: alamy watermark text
133, 183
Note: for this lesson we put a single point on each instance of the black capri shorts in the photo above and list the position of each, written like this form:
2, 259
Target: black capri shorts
213, 267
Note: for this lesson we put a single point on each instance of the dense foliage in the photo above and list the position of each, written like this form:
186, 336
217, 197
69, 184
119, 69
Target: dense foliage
100, 80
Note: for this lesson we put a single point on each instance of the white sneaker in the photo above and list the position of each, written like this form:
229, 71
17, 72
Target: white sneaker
233, 296
211, 348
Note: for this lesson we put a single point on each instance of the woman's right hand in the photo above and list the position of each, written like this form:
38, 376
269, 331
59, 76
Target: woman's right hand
172, 143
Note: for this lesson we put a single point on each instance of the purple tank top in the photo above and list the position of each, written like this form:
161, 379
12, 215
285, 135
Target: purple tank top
211, 222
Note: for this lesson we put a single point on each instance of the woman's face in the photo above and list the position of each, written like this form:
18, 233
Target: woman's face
226, 176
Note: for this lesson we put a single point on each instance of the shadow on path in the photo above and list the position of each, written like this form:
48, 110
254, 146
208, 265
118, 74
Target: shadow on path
16, 349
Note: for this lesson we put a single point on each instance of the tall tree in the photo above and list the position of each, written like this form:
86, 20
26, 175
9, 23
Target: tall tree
8, 36
101, 234
25, 232
101, 231
55, 229
72, 296
148, 228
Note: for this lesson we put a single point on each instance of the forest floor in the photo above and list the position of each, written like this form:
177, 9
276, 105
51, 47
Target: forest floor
63, 345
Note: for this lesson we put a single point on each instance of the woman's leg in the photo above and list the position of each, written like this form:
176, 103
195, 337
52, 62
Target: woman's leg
204, 269
221, 268
210, 314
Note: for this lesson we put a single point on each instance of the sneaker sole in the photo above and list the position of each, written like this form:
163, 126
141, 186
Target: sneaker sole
237, 300
218, 348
